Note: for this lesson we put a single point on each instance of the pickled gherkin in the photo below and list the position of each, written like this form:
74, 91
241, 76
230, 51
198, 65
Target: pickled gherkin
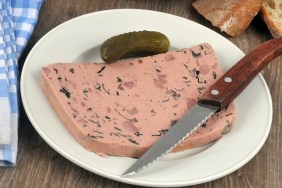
134, 44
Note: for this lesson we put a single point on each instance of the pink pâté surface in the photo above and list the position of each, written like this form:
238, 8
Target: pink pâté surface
123, 108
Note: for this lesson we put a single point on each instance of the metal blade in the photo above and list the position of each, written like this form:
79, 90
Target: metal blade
181, 130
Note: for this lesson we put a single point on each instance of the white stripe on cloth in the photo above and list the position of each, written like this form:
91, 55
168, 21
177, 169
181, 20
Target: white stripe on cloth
5, 120
17, 21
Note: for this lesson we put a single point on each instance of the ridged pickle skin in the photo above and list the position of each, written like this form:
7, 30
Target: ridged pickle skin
134, 44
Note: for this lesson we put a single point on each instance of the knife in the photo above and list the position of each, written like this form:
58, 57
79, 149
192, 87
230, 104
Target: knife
216, 98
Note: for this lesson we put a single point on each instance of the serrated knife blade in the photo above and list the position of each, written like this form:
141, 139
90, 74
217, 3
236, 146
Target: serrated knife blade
216, 98
196, 117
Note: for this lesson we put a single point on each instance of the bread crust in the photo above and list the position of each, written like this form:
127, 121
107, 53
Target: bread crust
267, 14
230, 16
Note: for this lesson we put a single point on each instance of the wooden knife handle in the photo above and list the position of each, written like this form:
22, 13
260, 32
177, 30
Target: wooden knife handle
236, 79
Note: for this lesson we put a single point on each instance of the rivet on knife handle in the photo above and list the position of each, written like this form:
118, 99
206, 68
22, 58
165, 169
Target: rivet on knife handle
217, 97
236, 79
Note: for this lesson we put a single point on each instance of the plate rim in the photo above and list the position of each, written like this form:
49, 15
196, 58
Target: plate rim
130, 180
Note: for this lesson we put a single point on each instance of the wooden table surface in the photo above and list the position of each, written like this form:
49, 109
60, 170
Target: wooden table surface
38, 165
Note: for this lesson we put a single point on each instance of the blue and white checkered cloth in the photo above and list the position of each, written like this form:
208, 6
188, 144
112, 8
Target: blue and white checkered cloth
17, 21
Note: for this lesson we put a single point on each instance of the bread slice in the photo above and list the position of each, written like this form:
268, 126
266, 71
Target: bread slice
124, 107
271, 12
231, 16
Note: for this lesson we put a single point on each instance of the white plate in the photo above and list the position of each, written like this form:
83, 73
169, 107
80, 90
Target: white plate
79, 40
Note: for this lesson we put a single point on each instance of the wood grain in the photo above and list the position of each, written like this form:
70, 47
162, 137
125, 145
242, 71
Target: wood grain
241, 74
38, 165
